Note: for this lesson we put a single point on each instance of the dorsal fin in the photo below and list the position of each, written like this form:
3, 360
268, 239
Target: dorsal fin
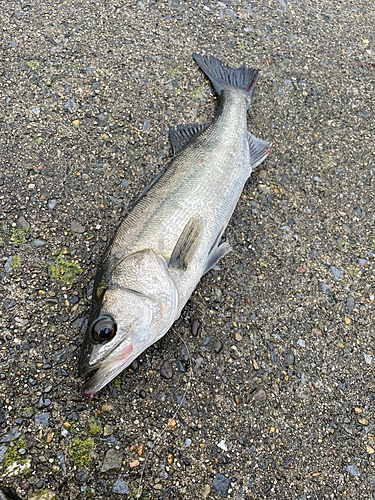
183, 134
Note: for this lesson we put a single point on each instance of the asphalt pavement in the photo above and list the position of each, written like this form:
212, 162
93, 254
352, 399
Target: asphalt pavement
270, 394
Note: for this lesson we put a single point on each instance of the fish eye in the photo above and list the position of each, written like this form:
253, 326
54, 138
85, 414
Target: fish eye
103, 329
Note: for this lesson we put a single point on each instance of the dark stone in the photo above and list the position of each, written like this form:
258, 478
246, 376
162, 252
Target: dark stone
10, 493
112, 391
134, 365
220, 485
112, 460
62, 355
69, 104
142, 394
166, 370
10, 436
195, 327
102, 120
41, 419
180, 366
218, 346
289, 359
350, 304
37, 243
9, 303
102, 485
76, 227
120, 487
73, 416
260, 395
80, 476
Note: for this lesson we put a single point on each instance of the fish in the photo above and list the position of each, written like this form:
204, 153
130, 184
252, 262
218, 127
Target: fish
172, 235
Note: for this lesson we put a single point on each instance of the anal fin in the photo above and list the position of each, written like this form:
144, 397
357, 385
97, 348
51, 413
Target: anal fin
259, 150
187, 244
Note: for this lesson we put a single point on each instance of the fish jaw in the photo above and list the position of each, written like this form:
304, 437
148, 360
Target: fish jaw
109, 368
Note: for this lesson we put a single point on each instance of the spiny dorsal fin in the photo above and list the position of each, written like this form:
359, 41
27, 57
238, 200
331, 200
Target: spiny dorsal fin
259, 150
183, 134
187, 244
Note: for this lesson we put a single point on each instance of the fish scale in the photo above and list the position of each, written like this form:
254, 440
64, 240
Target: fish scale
171, 237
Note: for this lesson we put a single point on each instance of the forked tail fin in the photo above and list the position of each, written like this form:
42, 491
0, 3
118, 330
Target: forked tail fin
221, 75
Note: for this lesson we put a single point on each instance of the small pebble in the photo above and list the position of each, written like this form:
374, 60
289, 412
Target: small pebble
352, 469
41, 419
238, 337
76, 227
198, 363
3, 450
107, 431
37, 243
195, 327
350, 304
336, 273
363, 421
107, 408
206, 491
368, 359
120, 487
180, 366
112, 460
218, 345
222, 445
146, 125
51, 204
289, 359
260, 395
220, 485
166, 370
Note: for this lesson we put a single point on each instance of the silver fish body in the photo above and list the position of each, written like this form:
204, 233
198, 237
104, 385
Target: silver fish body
171, 237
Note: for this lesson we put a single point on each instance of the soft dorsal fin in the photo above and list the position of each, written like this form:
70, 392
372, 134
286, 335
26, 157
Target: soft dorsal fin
187, 244
259, 150
183, 134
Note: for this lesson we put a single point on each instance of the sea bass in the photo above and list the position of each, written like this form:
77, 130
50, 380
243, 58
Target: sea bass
172, 235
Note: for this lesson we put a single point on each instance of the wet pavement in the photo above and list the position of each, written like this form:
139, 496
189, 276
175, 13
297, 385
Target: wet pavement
274, 382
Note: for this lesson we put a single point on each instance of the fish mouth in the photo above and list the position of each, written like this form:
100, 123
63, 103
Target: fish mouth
107, 370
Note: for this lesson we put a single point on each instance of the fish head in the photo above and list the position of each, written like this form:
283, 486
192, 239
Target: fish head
132, 312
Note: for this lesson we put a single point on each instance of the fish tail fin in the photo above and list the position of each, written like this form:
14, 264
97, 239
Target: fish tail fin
221, 75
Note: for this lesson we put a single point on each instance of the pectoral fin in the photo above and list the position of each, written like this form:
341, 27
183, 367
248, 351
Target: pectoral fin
187, 244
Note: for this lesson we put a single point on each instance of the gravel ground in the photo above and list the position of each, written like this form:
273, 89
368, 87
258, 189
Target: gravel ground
280, 403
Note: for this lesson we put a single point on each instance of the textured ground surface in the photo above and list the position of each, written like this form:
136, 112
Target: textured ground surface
283, 362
